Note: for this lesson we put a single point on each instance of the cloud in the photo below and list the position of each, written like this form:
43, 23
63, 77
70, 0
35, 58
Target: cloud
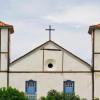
31, 17
83, 14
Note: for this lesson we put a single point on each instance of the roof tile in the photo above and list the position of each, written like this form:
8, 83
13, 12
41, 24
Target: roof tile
10, 27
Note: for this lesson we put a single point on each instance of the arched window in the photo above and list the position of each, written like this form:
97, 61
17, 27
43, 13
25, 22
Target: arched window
68, 86
30, 87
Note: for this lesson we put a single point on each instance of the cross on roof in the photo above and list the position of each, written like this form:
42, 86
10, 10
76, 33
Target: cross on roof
49, 29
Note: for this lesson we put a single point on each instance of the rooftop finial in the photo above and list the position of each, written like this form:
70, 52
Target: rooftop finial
50, 29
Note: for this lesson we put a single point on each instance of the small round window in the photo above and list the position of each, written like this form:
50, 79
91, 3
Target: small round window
50, 65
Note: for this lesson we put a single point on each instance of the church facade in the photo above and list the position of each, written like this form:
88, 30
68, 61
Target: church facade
50, 66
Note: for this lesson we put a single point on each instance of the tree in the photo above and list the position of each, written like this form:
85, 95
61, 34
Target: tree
11, 94
55, 95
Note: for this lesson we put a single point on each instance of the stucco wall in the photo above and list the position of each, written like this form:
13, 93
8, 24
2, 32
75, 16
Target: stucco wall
97, 61
48, 81
4, 49
4, 61
3, 79
56, 60
71, 63
32, 62
38, 61
4, 40
50, 45
97, 40
97, 84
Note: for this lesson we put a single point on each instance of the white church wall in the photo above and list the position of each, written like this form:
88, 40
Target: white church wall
3, 79
38, 61
4, 40
48, 81
97, 84
54, 57
97, 40
71, 63
50, 45
32, 62
97, 61
4, 61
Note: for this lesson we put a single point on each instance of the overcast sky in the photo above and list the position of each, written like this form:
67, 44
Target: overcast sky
70, 18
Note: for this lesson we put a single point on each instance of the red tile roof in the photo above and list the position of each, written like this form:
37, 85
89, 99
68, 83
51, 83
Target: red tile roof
10, 27
97, 26
91, 28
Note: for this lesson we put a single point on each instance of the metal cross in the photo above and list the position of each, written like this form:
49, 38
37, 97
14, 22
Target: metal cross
49, 29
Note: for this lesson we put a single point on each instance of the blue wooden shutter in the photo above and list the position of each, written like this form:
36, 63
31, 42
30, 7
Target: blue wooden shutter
69, 86
26, 86
30, 87
35, 86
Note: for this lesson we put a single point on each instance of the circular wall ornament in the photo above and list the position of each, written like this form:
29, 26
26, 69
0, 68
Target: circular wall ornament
50, 65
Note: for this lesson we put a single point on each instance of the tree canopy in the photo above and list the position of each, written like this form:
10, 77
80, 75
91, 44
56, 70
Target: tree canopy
11, 94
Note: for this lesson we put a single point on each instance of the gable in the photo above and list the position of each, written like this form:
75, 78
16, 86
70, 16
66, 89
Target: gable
51, 45
49, 53
32, 61
71, 63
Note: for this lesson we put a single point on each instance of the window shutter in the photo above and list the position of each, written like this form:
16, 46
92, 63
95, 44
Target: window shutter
69, 86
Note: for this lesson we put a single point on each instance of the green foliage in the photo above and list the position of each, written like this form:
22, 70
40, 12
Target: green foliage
54, 95
70, 97
43, 98
11, 94
96, 98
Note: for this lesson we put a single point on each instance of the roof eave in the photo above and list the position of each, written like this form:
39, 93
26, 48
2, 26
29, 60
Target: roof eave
11, 29
92, 28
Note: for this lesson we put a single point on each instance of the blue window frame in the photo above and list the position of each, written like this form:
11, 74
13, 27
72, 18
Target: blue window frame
69, 86
30, 87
